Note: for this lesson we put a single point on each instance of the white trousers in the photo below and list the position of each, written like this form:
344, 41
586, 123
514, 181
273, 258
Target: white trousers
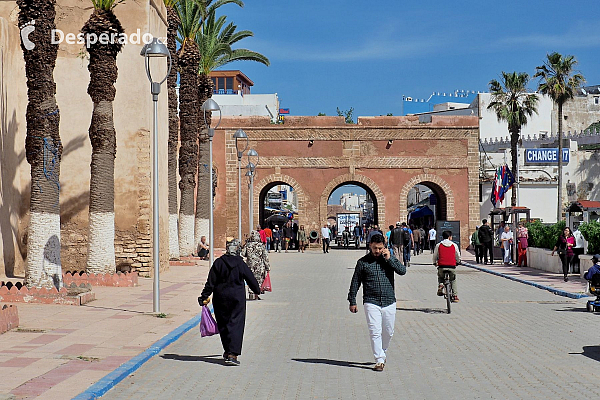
380, 321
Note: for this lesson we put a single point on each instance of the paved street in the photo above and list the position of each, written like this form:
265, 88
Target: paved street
504, 340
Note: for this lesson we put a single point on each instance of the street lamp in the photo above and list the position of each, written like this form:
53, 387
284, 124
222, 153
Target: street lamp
239, 136
252, 156
155, 49
211, 106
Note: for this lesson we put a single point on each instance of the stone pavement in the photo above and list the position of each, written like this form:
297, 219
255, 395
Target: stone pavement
59, 351
504, 340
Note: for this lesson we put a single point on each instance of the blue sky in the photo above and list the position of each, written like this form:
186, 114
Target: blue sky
366, 55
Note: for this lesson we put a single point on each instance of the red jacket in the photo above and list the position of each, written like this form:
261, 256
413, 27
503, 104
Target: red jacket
446, 254
263, 236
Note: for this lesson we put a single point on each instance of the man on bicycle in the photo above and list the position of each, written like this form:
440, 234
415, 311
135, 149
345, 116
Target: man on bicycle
446, 257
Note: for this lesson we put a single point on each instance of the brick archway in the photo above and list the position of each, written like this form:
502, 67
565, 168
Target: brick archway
350, 178
427, 180
279, 178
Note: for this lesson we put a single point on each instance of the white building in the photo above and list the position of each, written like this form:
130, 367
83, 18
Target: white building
238, 104
538, 189
353, 202
578, 114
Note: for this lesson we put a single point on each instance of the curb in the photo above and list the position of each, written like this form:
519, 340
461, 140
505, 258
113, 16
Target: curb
537, 285
109, 381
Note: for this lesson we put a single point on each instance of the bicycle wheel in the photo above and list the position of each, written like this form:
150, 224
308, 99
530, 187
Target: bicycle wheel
448, 290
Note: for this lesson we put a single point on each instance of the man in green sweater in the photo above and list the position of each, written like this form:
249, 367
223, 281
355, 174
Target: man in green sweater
375, 272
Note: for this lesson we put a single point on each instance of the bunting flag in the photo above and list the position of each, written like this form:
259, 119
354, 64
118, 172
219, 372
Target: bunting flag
503, 182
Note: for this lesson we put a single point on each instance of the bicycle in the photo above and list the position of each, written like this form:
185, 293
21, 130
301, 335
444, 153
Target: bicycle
447, 290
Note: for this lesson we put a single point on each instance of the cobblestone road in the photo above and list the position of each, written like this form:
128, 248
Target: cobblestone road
504, 340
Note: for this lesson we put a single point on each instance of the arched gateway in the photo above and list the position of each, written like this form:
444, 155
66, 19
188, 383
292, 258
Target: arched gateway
386, 155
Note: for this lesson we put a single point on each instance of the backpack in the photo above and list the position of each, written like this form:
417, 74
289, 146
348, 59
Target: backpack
405, 236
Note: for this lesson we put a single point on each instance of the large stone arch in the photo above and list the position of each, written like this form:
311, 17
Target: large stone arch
273, 178
350, 178
425, 179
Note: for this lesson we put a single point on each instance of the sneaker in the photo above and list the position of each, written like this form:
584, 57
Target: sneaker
378, 367
232, 360
440, 291
455, 299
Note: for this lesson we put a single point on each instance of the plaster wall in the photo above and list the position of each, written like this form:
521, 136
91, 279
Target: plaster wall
14, 170
578, 114
133, 123
491, 128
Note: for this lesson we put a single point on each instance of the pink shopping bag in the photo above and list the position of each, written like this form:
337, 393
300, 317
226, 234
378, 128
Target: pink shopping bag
266, 285
208, 326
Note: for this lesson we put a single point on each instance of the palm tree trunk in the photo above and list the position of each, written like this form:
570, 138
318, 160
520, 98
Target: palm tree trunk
43, 147
203, 192
103, 75
189, 60
173, 21
514, 141
560, 163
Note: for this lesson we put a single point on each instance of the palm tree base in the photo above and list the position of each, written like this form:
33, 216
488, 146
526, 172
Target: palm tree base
101, 256
186, 235
173, 237
43, 251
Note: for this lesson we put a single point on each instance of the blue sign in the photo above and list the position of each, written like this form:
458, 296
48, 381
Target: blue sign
545, 156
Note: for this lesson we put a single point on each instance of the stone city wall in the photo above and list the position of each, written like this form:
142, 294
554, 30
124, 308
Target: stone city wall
315, 155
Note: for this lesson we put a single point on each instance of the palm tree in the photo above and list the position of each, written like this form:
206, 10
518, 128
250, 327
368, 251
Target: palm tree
43, 147
215, 41
558, 81
514, 104
103, 75
190, 16
172, 27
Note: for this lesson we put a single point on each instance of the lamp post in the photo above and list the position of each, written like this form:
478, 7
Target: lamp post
151, 50
250, 201
252, 156
210, 105
239, 136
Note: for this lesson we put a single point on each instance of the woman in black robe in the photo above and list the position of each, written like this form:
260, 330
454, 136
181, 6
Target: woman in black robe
226, 282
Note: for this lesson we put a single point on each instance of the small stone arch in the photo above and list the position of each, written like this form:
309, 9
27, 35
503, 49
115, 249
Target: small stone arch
425, 179
349, 178
288, 180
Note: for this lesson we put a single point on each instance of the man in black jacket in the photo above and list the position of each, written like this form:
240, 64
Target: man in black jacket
486, 238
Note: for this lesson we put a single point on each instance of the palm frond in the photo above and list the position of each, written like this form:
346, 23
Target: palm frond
106, 5
511, 101
557, 77
215, 41
242, 55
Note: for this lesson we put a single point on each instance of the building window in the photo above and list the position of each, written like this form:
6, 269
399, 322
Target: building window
596, 100
221, 82
214, 81
229, 83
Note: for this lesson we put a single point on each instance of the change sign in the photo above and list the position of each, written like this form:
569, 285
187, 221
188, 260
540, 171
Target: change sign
545, 156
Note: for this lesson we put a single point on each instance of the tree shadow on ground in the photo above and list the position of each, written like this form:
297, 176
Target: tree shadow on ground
336, 363
212, 359
592, 352
423, 310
